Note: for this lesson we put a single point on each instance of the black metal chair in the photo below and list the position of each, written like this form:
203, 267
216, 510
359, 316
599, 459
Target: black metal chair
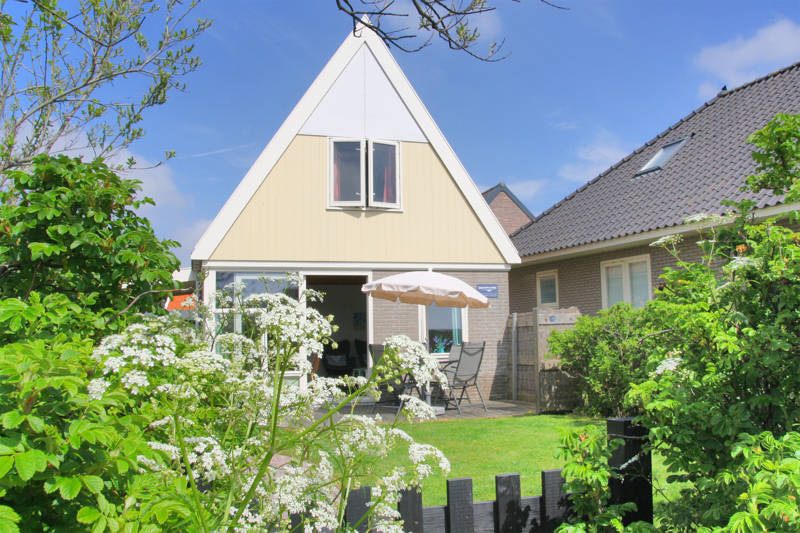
389, 398
463, 373
337, 361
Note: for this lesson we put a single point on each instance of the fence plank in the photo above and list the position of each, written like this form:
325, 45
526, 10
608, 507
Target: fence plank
508, 515
484, 517
554, 504
435, 519
637, 469
460, 514
410, 508
532, 513
357, 507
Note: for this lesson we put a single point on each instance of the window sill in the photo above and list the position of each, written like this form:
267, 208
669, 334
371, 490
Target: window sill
365, 209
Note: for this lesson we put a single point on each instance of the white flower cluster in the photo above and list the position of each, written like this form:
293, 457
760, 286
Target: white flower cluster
208, 460
96, 388
405, 356
131, 354
669, 364
667, 241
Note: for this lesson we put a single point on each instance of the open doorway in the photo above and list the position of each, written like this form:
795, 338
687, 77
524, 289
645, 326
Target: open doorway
348, 305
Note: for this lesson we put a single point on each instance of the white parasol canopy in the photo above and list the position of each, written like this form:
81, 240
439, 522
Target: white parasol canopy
424, 288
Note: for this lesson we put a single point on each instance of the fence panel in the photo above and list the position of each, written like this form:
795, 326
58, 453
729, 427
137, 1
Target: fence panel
511, 513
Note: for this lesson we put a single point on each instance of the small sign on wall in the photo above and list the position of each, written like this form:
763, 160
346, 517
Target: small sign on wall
488, 289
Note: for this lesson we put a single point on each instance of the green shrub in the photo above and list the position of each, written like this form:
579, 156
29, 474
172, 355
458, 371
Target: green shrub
607, 352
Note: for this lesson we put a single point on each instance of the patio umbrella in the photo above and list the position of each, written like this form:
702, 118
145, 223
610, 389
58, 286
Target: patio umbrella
424, 288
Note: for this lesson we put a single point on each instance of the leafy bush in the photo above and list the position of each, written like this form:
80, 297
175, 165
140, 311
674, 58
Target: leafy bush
63, 452
71, 227
607, 352
587, 473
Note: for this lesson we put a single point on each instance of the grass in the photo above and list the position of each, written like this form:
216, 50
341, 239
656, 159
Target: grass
482, 448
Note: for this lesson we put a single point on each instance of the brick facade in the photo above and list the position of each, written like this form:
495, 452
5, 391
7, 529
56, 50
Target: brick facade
579, 277
508, 213
390, 318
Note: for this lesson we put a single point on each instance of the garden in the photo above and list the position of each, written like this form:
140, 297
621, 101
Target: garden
118, 416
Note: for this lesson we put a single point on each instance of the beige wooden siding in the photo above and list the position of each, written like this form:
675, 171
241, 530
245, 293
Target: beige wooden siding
287, 219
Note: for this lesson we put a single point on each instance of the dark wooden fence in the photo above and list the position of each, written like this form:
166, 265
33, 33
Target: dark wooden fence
512, 513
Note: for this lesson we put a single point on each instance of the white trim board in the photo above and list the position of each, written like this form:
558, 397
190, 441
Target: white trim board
303, 110
348, 267
643, 238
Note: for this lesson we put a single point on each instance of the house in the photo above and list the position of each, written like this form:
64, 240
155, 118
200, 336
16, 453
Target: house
510, 212
359, 183
591, 250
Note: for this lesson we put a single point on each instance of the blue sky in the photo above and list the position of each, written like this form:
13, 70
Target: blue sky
579, 91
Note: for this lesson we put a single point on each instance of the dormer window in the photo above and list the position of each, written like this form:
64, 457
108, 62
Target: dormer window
364, 173
658, 161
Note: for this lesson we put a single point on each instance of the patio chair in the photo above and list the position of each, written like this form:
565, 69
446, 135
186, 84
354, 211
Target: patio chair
463, 374
401, 386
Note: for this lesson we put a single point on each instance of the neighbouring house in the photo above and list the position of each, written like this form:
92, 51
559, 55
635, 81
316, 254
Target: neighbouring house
359, 183
591, 250
510, 212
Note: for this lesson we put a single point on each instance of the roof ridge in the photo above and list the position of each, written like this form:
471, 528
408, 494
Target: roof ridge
696, 111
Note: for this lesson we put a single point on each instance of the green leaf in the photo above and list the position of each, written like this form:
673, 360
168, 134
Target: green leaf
88, 515
69, 488
6, 462
93, 483
7, 526
7, 513
30, 462
100, 525
11, 419
36, 424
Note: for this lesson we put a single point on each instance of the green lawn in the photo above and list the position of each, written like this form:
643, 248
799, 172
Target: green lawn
482, 448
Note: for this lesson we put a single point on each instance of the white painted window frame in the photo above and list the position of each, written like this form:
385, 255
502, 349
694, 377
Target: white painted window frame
626, 278
362, 177
539, 277
386, 205
422, 318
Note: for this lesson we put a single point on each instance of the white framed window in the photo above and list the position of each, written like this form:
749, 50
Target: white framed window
346, 186
364, 174
547, 288
626, 280
445, 327
384, 174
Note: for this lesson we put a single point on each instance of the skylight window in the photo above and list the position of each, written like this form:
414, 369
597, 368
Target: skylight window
658, 161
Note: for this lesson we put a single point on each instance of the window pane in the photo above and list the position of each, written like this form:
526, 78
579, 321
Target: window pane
639, 283
224, 279
444, 328
384, 168
346, 171
614, 284
547, 290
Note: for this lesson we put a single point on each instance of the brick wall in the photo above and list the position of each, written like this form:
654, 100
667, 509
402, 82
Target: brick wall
509, 214
579, 278
488, 325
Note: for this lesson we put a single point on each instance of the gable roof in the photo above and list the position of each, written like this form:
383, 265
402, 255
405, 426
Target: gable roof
710, 166
304, 109
491, 193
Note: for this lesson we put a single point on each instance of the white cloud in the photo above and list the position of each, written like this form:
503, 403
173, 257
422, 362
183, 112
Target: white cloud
741, 60
595, 157
567, 125
526, 190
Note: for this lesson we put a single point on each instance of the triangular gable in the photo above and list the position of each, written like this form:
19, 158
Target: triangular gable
306, 109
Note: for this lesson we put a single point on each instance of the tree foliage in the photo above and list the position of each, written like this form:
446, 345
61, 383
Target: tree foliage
71, 227
453, 22
722, 395
66, 65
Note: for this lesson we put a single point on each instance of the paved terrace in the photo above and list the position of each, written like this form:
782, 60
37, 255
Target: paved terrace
497, 409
